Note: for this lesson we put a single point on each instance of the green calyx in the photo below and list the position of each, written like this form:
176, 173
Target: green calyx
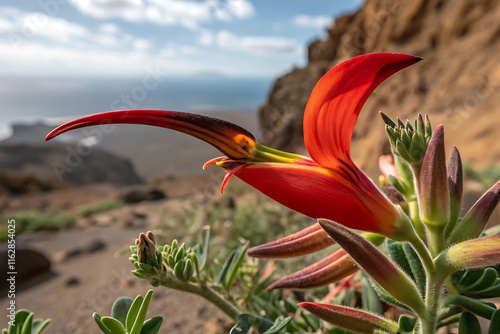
266, 154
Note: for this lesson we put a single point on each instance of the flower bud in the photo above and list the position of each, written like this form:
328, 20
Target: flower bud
475, 253
350, 318
330, 269
146, 251
474, 222
433, 194
456, 187
383, 270
306, 241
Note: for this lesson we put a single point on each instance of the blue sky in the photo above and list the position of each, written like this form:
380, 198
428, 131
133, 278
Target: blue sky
182, 37
62, 58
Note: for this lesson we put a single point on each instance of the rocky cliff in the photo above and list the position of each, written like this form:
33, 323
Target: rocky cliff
457, 84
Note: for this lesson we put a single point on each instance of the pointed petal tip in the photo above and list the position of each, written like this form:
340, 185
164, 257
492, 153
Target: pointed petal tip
305, 305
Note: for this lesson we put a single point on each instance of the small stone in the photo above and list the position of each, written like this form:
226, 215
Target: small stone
72, 281
136, 194
67, 254
29, 263
95, 246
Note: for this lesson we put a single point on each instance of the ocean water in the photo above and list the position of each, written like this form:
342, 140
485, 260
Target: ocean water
52, 100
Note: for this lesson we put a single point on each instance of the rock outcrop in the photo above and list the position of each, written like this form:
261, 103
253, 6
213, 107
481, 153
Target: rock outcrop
58, 163
457, 84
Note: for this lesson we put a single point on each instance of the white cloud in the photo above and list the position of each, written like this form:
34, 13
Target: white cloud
186, 13
257, 44
109, 28
142, 44
240, 8
24, 26
206, 37
37, 44
307, 21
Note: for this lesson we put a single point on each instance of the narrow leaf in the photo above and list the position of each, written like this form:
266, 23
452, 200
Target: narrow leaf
236, 264
28, 324
417, 269
141, 315
203, 255
278, 325
397, 254
132, 313
222, 275
369, 299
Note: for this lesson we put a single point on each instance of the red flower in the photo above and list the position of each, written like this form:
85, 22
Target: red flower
327, 186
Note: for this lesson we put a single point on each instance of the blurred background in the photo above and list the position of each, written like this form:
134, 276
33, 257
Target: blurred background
252, 62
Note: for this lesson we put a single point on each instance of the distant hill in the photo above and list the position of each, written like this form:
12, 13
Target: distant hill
67, 164
457, 83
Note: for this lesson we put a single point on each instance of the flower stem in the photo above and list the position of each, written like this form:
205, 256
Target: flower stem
435, 238
423, 254
415, 218
203, 291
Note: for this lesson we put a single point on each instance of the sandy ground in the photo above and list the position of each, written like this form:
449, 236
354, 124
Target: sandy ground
103, 277
100, 277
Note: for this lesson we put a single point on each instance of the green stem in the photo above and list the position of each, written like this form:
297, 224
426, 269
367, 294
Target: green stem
423, 254
435, 239
434, 283
415, 218
205, 292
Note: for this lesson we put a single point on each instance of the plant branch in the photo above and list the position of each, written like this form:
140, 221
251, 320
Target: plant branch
203, 291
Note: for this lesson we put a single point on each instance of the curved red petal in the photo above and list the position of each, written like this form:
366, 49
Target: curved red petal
320, 192
337, 99
231, 139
